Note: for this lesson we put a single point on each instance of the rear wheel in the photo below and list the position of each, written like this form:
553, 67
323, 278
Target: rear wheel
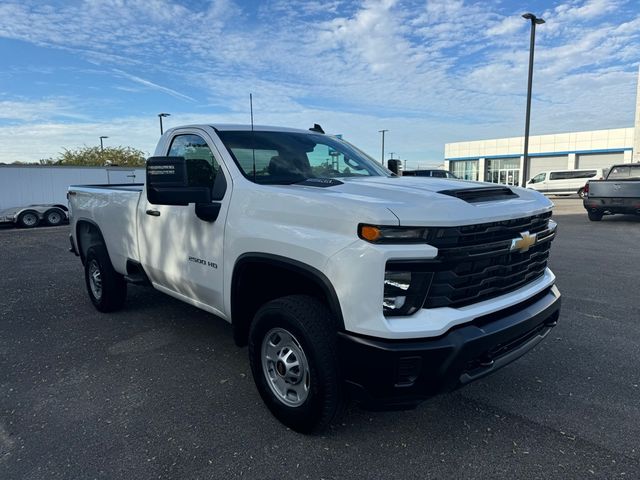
28, 219
54, 217
595, 216
107, 289
293, 356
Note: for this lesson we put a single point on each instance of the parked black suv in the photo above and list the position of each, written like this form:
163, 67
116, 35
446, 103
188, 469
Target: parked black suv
429, 173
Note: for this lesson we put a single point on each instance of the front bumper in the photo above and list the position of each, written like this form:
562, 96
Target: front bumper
400, 373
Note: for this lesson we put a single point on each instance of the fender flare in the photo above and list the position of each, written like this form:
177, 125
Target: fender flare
80, 221
303, 269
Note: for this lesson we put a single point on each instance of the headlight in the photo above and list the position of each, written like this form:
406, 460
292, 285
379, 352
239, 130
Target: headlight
381, 234
405, 288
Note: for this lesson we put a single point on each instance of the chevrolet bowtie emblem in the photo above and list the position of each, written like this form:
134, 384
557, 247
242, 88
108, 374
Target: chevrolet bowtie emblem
524, 243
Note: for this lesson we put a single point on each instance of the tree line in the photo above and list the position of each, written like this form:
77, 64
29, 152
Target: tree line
95, 156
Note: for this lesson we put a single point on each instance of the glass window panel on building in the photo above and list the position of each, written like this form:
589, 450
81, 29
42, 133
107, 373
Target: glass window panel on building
503, 170
465, 169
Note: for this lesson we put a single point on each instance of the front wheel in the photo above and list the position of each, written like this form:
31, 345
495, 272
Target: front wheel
293, 357
595, 216
107, 289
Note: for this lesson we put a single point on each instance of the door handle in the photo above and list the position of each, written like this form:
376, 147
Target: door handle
153, 213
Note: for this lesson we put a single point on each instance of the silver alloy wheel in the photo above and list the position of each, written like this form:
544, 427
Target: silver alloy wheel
54, 218
95, 279
285, 367
30, 219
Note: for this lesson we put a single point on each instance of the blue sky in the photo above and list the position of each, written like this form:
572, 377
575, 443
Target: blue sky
430, 72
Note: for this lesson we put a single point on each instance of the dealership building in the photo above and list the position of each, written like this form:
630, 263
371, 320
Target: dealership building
501, 160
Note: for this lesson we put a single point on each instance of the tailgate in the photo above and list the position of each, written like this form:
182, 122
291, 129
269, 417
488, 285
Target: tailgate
614, 189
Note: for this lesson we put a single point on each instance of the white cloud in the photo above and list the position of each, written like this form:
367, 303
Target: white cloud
585, 10
508, 26
38, 110
154, 86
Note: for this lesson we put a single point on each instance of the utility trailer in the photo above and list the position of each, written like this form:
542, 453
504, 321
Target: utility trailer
33, 215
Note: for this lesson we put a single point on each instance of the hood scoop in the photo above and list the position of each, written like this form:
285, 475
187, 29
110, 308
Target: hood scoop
481, 194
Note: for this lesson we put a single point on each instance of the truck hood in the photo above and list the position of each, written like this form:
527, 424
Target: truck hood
418, 201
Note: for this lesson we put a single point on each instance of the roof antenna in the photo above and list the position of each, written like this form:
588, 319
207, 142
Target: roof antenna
253, 139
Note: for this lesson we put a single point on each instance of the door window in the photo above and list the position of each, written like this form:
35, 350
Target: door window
202, 167
538, 178
584, 174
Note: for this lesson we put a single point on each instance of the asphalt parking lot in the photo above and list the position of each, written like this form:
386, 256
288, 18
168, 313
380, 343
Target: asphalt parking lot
159, 390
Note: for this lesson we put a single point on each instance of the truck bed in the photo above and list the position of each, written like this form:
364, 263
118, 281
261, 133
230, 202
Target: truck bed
114, 208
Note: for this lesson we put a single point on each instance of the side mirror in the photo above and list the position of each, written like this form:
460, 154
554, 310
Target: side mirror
170, 183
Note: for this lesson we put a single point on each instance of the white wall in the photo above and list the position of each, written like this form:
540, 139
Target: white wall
636, 140
26, 184
617, 138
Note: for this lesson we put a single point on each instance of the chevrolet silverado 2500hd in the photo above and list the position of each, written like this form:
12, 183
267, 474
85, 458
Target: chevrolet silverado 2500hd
344, 280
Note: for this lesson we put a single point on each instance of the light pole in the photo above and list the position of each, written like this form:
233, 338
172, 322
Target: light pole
102, 137
382, 156
391, 154
534, 21
160, 115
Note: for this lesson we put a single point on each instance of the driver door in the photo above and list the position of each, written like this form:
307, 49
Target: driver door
181, 252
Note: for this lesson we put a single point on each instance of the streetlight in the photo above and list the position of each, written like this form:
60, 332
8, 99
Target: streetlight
160, 115
382, 156
534, 21
102, 137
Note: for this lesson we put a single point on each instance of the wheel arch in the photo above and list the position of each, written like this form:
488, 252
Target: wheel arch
88, 233
24, 210
281, 276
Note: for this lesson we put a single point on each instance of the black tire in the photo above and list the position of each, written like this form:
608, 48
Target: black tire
595, 216
54, 217
28, 219
111, 292
311, 324
581, 193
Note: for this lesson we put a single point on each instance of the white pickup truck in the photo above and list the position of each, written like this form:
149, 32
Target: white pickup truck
345, 281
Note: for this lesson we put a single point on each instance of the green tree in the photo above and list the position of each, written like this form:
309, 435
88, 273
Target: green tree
116, 156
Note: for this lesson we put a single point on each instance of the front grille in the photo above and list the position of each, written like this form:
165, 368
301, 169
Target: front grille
475, 262
482, 233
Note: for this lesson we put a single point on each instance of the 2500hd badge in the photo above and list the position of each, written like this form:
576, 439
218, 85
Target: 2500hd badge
206, 263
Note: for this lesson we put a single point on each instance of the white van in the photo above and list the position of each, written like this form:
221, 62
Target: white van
564, 182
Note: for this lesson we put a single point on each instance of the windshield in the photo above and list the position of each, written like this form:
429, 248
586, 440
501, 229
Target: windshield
291, 157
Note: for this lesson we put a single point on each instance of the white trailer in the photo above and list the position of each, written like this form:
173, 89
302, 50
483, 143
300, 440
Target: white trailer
24, 185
